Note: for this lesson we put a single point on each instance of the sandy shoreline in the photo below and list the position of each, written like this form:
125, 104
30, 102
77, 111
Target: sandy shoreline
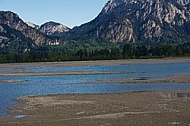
133, 109
99, 62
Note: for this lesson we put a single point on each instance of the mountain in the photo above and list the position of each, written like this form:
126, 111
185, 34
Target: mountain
53, 28
157, 21
33, 25
16, 33
150, 22
50, 28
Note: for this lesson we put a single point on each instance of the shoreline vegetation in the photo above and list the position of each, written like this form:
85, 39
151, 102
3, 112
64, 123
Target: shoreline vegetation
157, 108
85, 53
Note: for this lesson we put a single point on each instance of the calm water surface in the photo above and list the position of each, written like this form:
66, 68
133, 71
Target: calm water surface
72, 84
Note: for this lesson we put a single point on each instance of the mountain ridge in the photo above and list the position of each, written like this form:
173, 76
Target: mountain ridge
15, 33
148, 22
14, 21
138, 21
53, 28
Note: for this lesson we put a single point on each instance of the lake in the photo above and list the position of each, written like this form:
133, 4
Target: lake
76, 84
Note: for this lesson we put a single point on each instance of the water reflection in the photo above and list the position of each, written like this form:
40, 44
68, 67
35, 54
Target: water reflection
179, 95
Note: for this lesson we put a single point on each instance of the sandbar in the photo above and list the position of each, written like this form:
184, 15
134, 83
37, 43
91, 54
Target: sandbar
11, 81
180, 78
99, 62
59, 73
131, 109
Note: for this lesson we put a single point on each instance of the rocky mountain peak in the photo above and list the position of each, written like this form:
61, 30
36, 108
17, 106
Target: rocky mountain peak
112, 4
18, 29
140, 20
11, 19
33, 25
53, 28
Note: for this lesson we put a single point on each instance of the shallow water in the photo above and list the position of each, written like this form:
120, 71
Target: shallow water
72, 84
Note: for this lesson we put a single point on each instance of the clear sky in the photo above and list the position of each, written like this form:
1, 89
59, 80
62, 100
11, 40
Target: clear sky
68, 12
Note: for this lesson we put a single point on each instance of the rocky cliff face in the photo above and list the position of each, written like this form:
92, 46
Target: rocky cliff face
139, 20
53, 28
11, 22
33, 25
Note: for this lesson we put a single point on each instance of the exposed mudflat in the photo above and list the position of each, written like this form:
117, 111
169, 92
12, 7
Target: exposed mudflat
136, 108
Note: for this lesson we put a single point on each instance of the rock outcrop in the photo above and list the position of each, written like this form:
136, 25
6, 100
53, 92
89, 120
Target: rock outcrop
53, 28
33, 25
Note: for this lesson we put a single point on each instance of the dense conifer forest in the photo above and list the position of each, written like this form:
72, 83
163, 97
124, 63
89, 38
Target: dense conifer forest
52, 53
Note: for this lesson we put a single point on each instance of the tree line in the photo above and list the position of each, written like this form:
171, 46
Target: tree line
127, 52
156, 51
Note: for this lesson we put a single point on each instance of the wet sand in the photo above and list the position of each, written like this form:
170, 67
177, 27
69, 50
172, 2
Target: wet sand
125, 109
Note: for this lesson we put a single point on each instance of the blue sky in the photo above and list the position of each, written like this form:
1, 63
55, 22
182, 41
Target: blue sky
68, 12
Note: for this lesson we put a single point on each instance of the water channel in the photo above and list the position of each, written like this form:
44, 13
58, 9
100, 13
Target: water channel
77, 84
